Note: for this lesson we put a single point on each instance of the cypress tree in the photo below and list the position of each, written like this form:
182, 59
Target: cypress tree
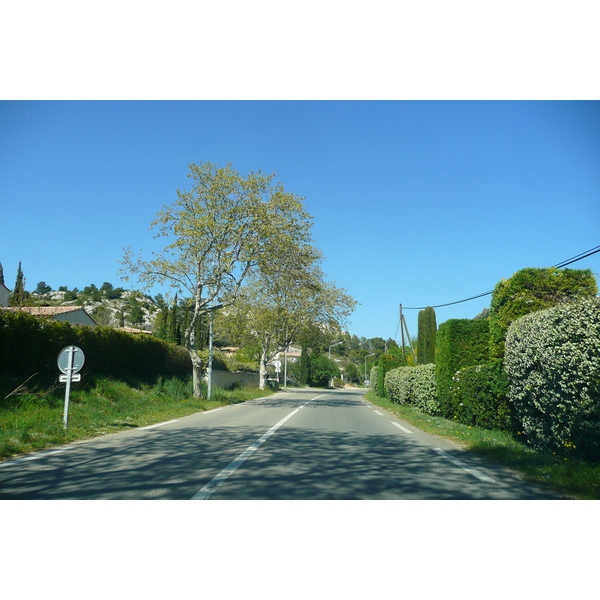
2, 275
18, 295
426, 336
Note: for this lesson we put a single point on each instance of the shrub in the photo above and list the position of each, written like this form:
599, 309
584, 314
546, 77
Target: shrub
479, 396
413, 385
459, 343
387, 362
30, 344
530, 290
552, 360
374, 377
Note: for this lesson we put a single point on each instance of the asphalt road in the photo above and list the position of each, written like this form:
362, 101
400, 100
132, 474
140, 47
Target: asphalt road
294, 445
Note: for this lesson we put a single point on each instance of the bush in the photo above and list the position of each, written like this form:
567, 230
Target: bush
459, 343
30, 344
531, 290
387, 362
479, 396
414, 385
374, 377
552, 360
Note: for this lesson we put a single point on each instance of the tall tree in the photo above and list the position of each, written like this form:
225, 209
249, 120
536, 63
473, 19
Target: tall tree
427, 328
17, 297
282, 302
219, 232
2, 275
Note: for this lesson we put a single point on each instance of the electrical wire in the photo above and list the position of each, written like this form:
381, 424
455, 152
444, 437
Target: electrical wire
560, 265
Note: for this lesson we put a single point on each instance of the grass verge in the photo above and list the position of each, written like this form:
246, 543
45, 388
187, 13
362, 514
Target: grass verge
577, 479
34, 421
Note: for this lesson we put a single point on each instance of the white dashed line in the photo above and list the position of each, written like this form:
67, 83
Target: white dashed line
210, 488
378, 413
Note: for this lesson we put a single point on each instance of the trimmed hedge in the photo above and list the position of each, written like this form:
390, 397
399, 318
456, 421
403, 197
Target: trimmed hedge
414, 385
530, 290
459, 343
552, 360
30, 344
387, 362
479, 396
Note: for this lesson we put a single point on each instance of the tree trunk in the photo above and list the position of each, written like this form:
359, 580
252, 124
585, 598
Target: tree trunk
262, 370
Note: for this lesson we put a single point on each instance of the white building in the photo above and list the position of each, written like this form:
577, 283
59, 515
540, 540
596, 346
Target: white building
4, 295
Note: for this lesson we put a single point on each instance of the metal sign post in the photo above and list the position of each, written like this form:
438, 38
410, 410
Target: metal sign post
70, 361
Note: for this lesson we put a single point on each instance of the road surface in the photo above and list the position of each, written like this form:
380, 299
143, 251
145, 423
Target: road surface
294, 445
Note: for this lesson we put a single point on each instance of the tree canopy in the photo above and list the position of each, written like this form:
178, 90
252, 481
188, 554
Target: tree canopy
226, 227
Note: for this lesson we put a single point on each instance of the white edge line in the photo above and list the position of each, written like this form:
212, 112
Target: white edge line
15, 461
158, 424
401, 427
465, 467
377, 412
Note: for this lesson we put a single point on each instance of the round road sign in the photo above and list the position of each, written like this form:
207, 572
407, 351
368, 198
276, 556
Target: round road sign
78, 359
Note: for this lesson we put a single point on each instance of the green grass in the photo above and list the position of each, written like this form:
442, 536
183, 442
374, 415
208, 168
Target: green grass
577, 479
34, 420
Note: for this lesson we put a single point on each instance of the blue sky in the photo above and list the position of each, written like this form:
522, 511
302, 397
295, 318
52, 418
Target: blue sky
414, 202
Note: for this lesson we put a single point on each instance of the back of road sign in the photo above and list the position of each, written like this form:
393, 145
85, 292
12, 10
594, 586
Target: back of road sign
78, 359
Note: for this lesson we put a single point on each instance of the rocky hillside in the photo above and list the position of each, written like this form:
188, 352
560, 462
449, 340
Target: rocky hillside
128, 309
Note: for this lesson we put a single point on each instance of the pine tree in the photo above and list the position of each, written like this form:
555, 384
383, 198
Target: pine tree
426, 336
2, 275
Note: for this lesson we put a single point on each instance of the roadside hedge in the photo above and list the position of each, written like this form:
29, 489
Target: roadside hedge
31, 344
414, 385
552, 360
479, 396
459, 343
387, 362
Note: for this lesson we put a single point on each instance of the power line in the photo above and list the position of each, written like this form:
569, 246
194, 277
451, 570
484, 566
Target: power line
557, 266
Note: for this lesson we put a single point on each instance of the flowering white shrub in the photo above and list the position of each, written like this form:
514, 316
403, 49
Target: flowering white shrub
552, 360
413, 385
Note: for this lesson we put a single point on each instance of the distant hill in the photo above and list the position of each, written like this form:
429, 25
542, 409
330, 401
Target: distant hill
127, 309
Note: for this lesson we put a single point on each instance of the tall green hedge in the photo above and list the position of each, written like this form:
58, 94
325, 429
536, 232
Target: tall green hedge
459, 343
30, 344
530, 290
387, 362
479, 396
427, 329
552, 360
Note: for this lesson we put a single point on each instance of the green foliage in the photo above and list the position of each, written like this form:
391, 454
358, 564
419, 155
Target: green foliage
321, 370
413, 385
427, 329
19, 295
553, 365
459, 343
530, 290
387, 362
479, 396
30, 344
374, 377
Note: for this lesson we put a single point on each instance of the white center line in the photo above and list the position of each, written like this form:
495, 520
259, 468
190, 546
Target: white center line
465, 466
210, 488
401, 427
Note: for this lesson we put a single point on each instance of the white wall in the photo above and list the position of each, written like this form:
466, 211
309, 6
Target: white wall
226, 379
